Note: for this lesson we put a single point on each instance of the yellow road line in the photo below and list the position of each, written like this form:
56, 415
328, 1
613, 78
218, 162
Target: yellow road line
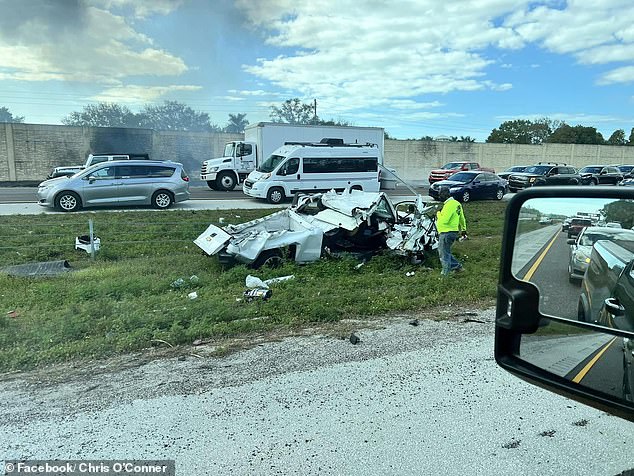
529, 274
590, 364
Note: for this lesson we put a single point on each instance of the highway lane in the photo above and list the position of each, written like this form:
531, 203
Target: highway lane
592, 359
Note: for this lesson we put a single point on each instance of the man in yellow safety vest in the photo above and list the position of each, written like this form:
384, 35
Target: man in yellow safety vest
450, 222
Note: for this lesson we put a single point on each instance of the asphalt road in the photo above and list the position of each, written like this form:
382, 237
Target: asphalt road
406, 400
28, 194
543, 260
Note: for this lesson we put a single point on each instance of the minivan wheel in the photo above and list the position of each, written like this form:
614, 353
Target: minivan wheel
162, 199
226, 181
68, 202
275, 195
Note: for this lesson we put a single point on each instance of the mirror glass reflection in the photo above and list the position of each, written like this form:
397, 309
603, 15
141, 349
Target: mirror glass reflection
579, 252
592, 359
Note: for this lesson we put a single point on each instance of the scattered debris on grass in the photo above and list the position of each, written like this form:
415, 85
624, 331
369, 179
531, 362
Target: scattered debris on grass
549, 433
583, 422
354, 339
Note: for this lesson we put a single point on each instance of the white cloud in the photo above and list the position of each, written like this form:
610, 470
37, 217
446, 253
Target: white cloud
135, 94
141, 8
101, 47
619, 75
594, 32
369, 51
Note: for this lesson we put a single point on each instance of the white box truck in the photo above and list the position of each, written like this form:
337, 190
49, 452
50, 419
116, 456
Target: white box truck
260, 140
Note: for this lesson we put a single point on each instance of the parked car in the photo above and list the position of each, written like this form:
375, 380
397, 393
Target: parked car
627, 171
600, 175
627, 183
321, 224
511, 170
130, 182
577, 225
451, 168
544, 174
581, 247
474, 185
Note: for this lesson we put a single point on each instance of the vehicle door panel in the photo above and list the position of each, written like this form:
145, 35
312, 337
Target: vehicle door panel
100, 187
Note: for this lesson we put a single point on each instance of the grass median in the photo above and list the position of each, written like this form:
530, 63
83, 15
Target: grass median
124, 300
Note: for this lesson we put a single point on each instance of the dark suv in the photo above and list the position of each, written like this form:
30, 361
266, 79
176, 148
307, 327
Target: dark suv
600, 175
544, 174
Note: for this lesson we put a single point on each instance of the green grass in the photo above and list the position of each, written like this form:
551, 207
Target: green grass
123, 301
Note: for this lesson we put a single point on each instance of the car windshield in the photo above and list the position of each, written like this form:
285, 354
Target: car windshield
589, 239
626, 168
269, 164
591, 170
463, 177
538, 169
452, 166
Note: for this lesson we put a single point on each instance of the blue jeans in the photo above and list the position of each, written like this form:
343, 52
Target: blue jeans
448, 261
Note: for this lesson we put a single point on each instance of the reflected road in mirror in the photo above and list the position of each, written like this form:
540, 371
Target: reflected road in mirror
594, 360
580, 254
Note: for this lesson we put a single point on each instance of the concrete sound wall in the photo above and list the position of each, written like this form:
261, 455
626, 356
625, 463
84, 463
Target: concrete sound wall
413, 160
29, 151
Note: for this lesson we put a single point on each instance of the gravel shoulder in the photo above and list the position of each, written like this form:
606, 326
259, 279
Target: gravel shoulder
425, 399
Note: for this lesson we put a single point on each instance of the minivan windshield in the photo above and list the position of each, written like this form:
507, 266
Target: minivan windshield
269, 164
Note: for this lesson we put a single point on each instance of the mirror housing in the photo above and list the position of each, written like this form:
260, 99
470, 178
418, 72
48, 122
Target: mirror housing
518, 316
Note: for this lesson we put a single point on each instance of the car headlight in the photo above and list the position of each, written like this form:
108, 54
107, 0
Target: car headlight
582, 258
265, 176
455, 189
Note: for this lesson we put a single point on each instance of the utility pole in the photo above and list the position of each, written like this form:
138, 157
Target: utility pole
315, 102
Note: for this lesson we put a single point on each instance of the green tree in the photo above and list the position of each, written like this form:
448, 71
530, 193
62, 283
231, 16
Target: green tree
237, 123
512, 132
175, 116
332, 122
7, 116
620, 211
522, 131
427, 138
630, 140
293, 111
617, 137
466, 139
103, 114
566, 134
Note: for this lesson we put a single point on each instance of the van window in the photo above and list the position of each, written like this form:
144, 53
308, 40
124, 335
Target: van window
161, 171
290, 167
103, 173
317, 165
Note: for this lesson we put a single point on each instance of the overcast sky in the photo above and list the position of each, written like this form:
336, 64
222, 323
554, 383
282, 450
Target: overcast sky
416, 68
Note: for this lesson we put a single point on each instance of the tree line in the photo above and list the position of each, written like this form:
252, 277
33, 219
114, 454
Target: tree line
176, 116
545, 130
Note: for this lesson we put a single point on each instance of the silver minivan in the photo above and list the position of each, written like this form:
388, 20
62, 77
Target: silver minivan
128, 182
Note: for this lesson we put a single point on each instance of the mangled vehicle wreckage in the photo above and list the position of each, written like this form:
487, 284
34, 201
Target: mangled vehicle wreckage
325, 224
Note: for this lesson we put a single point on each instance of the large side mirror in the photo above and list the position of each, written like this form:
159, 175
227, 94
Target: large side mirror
565, 315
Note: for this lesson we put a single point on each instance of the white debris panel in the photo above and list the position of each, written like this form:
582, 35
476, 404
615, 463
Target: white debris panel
352, 220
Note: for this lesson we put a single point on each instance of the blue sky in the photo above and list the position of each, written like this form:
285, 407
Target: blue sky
416, 68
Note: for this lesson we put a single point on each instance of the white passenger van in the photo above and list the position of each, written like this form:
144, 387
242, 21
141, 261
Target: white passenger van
312, 168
